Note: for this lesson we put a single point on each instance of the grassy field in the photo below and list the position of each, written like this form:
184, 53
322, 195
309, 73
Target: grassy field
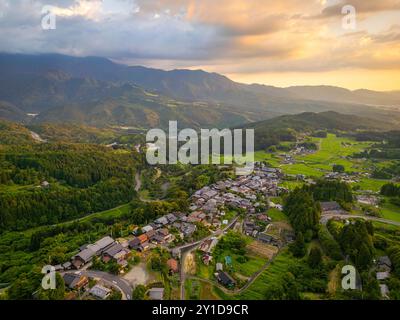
273, 274
253, 264
112, 213
390, 211
332, 150
199, 290
276, 215
302, 168
291, 185
371, 184
241, 270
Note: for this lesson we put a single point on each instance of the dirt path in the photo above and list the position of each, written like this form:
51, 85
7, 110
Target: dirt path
253, 278
37, 138
138, 275
138, 181
138, 186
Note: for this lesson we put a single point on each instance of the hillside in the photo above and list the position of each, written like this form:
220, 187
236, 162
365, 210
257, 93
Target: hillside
284, 128
14, 134
98, 92
335, 94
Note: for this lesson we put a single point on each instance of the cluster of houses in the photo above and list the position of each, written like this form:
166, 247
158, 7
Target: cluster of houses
80, 283
208, 203
206, 248
354, 177
331, 207
158, 232
255, 223
369, 200
255, 226
302, 150
287, 159
106, 248
384, 268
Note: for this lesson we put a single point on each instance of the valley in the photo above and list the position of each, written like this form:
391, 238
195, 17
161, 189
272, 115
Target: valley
259, 256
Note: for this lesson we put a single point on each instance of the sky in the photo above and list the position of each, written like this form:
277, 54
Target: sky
281, 43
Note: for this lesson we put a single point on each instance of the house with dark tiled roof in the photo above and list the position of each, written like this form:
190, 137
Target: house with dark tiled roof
225, 279
117, 252
75, 281
384, 263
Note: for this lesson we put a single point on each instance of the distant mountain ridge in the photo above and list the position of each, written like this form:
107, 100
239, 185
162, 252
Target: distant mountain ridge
97, 91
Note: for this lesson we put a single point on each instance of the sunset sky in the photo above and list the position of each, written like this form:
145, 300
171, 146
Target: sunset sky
282, 43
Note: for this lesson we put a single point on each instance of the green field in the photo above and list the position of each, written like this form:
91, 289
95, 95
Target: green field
300, 168
390, 211
273, 274
199, 290
332, 150
371, 184
112, 213
291, 185
276, 215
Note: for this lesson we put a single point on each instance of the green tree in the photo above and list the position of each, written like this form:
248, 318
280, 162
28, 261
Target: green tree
315, 257
113, 267
298, 248
290, 287
115, 295
303, 212
371, 290
139, 292
338, 168
364, 257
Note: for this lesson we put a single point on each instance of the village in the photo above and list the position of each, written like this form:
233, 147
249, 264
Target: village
212, 207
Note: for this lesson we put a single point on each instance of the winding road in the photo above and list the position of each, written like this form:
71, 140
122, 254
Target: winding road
110, 279
326, 217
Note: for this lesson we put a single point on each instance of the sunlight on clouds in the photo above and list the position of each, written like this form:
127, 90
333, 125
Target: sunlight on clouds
244, 39
89, 9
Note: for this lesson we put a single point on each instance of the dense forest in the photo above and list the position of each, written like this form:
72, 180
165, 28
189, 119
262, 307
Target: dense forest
47, 183
302, 205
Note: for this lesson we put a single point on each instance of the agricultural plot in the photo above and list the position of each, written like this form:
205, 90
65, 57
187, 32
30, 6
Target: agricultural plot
262, 250
272, 275
333, 150
199, 290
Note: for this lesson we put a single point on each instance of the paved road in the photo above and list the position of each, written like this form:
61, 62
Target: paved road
326, 217
110, 279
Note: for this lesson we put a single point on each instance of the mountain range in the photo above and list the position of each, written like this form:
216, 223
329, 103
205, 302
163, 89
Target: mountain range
99, 92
